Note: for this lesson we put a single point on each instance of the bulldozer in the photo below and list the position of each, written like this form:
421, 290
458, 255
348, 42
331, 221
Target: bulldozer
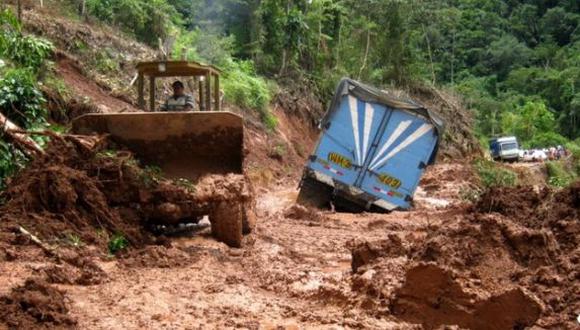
185, 145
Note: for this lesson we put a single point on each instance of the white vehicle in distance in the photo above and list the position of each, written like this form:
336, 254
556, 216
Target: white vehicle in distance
504, 149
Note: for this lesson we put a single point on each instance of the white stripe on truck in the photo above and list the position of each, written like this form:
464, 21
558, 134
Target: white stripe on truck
410, 139
398, 131
369, 114
352, 102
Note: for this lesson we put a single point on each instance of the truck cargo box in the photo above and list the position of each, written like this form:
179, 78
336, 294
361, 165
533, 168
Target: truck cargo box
372, 151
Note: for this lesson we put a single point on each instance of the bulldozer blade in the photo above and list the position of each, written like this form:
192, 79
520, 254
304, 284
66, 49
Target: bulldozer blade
183, 144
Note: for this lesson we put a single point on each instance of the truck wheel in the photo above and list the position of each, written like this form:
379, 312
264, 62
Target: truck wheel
248, 219
314, 194
226, 223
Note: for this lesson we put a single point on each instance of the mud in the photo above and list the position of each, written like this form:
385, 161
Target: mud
35, 305
432, 297
456, 266
157, 257
84, 191
510, 261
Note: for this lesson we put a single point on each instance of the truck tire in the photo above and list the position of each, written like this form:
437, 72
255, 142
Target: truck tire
314, 194
226, 223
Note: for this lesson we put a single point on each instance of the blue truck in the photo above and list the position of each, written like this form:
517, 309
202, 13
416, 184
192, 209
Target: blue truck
504, 148
372, 151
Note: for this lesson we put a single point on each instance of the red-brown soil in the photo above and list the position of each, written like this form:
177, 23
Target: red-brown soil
35, 305
71, 73
430, 267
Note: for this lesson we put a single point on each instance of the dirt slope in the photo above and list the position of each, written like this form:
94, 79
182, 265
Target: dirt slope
84, 88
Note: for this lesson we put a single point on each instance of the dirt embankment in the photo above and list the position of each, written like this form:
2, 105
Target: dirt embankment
84, 188
510, 261
458, 141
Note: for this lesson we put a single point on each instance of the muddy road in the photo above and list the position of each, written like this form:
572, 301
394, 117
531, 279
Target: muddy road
296, 272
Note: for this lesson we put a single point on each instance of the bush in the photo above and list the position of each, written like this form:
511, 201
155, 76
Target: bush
11, 160
117, 243
148, 20
243, 87
492, 175
574, 149
25, 50
20, 100
559, 175
547, 139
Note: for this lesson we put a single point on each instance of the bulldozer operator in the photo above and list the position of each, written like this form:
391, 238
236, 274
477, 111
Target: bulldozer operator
179, 101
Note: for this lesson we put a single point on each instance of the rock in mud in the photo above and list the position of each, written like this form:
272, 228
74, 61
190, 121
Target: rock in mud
300, 212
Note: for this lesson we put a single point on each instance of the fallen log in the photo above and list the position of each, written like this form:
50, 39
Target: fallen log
21, 140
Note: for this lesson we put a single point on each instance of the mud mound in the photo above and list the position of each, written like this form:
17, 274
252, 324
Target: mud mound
83, 189
56, 196
512, 261
458, 141
35, 305
557, 211
518, 203
432, 297
364, 252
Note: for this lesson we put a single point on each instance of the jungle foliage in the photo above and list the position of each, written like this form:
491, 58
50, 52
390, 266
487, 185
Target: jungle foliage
21, 58
511, 59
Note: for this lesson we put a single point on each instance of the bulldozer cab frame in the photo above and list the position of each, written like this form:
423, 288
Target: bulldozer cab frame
183, 144
206, 81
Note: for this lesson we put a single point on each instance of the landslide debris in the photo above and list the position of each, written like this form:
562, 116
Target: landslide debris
35, 305
511, 261
458, 141
90, 189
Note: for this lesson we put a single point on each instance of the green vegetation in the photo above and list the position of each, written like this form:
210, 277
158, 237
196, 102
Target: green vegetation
20, 99
117, 243
559, 175
241, 83
493, 175
516, 62
21, 59
24, 50
11, 160
148, 20
279, 151
185, 183
150, 175
74, 240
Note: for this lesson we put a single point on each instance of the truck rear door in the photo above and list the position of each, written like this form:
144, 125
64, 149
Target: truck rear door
343, 147
398, 158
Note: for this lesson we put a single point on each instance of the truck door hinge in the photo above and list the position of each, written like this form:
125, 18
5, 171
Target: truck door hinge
312, 158
422, 165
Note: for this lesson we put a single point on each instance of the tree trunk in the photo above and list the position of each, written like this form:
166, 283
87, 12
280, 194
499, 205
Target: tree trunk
453, 60
364, 63
22, 141
283, 66
82, 7
430, 54
19, 10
